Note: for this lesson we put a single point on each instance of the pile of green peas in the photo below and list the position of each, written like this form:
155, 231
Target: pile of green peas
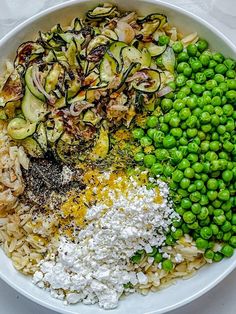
191, 144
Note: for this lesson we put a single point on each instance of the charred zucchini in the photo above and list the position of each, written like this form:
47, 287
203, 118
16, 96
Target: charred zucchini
19, 128
41, 137
30, 84
33, 108
32, 147
151, 84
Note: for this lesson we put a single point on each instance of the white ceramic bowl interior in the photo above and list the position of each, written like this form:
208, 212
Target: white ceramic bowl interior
183, 291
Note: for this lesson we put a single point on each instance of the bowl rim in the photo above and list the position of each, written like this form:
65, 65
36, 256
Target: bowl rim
228, 42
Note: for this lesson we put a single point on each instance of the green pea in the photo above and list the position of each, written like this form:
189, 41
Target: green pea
202, 45
177, 175
221, 69
200, 78
226, 226
211, 156
212, 195
174, 122
206, 233
227, 250
177, 234
229, 63
209, 254
215, 120
197, 89
194, 225
151, 132
149, 160
231, 74
145, 141
170, 240
184, 183
157, 169
201, 244
163, 40
164, 128
181, 66
161, 154
152, 121
158, 257
193, 147
189, 217
228, 146
169, 141
136, 258
189, 173
214, 229
231, 84
195, 64
218, 57
196, 208
176, 132
209, 73
184, 164
184, 113
158, 136
205, 117
231, 95
166, 104
167, 265
210, 84
232, 241
176, 156
192, 50
138, 133
182, 56
227, 175
224, 195
197, 167
204, 59
217, 257
203, 214
219, 220
168, 170
177, 47
138, 157
219, 78
192, 188
187, 72
195, 196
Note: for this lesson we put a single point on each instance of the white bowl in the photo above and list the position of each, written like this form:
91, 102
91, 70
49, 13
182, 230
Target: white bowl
183, 291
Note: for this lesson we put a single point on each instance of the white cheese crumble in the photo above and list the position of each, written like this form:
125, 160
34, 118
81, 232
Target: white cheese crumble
96, 267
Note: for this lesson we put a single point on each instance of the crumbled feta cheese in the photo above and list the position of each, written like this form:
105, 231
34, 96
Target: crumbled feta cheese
142, 278
96, 267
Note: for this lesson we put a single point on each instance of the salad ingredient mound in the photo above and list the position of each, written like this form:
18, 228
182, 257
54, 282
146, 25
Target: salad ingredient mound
117, 156
97, 265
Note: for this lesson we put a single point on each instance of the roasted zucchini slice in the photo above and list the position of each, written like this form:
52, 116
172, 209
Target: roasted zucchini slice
41, 136
151, 84
115, 50
32, 147
101, 12
18, 128
33, 108
55, 74
30, 84
108, 68
155, 50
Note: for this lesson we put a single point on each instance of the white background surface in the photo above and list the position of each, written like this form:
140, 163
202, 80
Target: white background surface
220, 13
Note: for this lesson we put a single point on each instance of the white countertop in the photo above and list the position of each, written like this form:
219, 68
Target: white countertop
221, 14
